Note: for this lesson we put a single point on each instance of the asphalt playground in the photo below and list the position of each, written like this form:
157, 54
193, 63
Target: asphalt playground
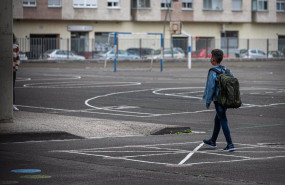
144, 97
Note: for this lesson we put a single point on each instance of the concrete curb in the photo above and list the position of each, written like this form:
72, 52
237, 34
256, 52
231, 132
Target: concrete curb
30, 122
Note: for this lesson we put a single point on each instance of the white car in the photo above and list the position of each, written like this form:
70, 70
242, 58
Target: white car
167, 54
122, 54
253, 53
58, 54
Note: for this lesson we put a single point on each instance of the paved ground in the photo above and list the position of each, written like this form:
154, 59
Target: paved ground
82, 124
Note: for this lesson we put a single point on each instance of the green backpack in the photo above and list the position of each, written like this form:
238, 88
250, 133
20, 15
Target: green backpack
229, 94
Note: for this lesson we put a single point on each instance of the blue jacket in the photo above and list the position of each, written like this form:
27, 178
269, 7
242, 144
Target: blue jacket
212, 86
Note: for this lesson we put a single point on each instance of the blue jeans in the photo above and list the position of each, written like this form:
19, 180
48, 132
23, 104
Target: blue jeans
221, 120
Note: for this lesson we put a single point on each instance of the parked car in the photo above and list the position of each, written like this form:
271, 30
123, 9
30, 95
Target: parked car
272, 54
86, 54
57, 54
240, 52
122, 55
254, 53
167, 54
142, 52
23, 56
203, 53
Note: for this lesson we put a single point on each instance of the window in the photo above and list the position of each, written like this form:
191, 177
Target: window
260, 5
236, 5
187, 4
280, 6
141, 4
212, 5
165, 4
30, 3
54, 3
113, 4
85, 3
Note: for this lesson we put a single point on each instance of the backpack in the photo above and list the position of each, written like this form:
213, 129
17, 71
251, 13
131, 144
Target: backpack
229, 94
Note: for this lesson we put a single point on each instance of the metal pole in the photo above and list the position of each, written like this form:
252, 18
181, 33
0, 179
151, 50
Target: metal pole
67, 48
189, 49
206, 47
228, 47
116, 48
162, 53
140, 49
267, 48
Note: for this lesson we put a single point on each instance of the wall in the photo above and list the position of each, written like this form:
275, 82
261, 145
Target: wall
266, 16
246, 30
6, 64
153, 14
225, 15
102, 12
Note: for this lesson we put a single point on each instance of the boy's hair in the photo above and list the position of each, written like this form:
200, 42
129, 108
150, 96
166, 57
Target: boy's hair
218, 55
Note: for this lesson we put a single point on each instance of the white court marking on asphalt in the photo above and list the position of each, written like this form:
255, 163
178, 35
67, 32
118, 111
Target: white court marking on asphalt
110, 110
181, 95
78, 85
134, 153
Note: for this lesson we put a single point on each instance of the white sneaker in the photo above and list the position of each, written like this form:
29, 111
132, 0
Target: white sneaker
15, 108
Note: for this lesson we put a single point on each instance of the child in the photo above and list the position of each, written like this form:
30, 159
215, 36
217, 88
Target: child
211, 94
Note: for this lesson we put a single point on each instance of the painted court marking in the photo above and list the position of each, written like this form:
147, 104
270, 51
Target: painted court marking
194, 93
191, 153
115, 110
153, 154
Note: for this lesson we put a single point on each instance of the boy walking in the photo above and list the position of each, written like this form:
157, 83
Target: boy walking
211, 94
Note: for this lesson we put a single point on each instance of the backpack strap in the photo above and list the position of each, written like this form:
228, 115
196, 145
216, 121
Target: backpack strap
219, 72
214, 69
228, 71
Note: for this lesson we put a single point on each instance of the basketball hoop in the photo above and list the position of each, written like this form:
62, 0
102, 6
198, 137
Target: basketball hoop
175, 27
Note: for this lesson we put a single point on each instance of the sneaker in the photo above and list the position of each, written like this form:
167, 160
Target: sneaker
210, 142
229, 148
15, 108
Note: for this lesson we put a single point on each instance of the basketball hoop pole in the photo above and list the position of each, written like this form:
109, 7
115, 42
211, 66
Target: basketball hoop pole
176, 27
189, 48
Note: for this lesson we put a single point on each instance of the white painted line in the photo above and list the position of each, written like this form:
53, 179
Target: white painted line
84, 111
167, 151
191, 153
226, 155
79, 85
160, 154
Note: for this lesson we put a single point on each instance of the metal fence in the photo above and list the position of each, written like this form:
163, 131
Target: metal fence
36, 48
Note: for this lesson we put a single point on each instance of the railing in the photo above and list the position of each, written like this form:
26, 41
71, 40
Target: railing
36, 48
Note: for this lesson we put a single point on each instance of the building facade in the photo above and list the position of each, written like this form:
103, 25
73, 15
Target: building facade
85, 25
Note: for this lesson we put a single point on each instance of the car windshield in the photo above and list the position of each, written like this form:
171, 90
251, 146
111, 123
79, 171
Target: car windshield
157, 52
122, 52
49, 51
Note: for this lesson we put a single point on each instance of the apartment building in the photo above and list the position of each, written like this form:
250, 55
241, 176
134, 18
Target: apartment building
83, 22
